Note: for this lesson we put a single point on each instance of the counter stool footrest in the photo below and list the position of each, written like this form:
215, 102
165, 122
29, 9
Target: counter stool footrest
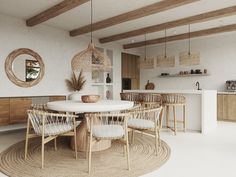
178, 121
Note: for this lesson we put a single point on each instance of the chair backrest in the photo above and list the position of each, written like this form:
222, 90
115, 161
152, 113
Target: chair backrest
107, 119
173, 98
154, 114
43, 119
42, 107
148, 99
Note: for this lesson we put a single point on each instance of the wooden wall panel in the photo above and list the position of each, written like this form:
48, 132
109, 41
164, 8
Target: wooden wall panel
18, 109
57, 98
14, 109
4, 111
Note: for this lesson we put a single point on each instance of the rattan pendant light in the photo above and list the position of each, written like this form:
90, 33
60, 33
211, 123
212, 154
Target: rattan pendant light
189, 57
146, 63
164, 60
91, 58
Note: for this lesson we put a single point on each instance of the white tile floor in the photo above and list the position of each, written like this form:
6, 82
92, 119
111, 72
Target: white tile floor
192, 154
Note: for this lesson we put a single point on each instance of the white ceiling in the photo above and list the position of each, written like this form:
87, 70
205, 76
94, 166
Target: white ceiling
103, 9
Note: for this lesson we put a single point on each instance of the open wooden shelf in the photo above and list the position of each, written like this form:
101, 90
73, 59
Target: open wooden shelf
184, 75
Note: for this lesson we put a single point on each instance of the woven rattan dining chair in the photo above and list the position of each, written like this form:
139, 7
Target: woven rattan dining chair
107, 126
49, 126
146, 121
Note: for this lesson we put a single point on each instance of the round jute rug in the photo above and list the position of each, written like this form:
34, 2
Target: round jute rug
62, 163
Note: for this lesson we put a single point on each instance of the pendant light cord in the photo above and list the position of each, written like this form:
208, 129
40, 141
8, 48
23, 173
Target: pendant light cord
145, 47
189, 40
91, 22
165, 43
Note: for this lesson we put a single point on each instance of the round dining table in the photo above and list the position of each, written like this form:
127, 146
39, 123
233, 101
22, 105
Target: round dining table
72, 106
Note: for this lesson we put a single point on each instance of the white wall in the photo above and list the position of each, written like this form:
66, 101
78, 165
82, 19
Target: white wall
218, 56
56, 48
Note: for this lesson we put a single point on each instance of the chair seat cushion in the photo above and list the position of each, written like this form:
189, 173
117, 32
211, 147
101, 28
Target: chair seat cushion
55, 129
140, 123
108, 131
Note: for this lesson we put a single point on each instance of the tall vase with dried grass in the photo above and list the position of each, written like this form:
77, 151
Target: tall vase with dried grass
75, 84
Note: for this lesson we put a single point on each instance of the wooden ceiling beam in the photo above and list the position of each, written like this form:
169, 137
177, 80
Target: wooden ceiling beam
184, 21
205, 32
54, 11
132, 15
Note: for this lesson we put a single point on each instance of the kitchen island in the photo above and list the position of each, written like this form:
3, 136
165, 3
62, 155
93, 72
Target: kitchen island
201, 108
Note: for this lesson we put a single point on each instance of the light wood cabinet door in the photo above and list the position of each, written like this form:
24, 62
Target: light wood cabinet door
132, 67
4, 111
225, 107
220, 101
231, 107
18, 109
125, 64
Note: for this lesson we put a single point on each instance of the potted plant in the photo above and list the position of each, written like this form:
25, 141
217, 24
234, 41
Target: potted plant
75, 84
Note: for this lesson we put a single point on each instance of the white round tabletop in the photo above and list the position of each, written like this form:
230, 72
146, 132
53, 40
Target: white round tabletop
100, 106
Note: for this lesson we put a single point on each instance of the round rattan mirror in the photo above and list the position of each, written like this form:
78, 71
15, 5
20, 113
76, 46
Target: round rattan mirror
24, 67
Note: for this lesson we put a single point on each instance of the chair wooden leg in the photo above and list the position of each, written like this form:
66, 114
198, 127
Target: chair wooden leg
167, 116
55, 144
184, 117
159, 138
127, 153
27, 138
42, 152
175, 122
75, 138
161, 116
156, 142
124, 149
132, 136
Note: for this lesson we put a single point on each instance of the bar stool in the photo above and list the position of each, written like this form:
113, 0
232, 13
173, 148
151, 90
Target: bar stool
150, 99
174, 100
130, 96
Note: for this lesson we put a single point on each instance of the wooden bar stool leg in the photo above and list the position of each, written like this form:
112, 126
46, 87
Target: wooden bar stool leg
184, 117
75, 138
174, 114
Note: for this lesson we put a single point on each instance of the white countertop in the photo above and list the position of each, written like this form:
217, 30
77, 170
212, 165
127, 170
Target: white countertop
226, 93
199, 92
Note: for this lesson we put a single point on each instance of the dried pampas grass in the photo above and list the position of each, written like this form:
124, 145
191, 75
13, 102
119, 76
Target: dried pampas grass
76, 83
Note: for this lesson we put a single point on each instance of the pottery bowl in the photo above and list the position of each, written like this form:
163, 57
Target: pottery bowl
90, 98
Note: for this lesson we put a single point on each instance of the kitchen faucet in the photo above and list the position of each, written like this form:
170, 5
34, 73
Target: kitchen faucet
198, 85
